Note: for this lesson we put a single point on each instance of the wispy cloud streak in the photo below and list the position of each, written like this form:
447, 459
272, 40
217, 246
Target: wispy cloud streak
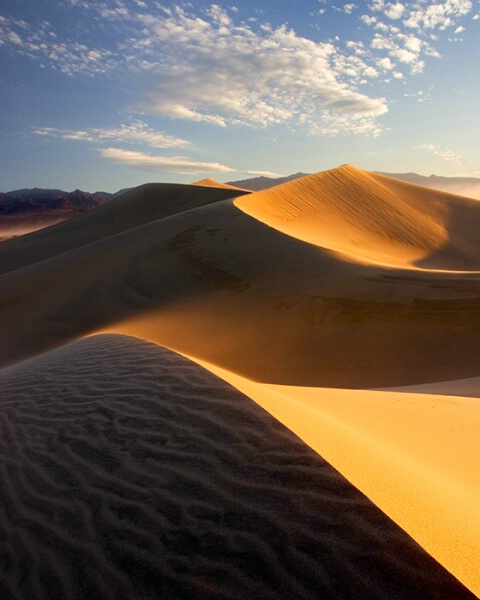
169, 164
135, 132
444, 153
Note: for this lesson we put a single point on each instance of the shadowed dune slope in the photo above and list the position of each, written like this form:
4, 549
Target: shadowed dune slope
130, 472
372, 217
136, 207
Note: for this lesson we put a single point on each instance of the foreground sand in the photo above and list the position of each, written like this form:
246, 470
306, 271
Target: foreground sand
305, 297
415, 455
130, 472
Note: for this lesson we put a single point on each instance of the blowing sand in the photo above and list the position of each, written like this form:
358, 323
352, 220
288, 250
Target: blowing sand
304, 297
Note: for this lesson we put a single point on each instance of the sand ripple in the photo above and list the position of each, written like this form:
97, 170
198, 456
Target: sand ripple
129, 472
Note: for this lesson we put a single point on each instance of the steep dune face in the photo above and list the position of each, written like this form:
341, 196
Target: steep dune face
373, 218
140, 205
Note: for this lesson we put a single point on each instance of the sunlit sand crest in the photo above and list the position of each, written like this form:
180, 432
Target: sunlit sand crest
416, 456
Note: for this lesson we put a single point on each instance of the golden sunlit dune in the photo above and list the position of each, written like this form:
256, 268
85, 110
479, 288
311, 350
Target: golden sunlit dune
303, 296
416, 456
373, 217
213, 183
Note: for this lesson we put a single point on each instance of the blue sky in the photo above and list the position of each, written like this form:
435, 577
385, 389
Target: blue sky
105, 95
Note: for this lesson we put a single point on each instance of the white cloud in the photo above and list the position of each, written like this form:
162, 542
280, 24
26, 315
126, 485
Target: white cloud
404, 55
177, 110
394, 11
405, 48
358, 47
134, 132
386, 64
371, 72
114, 14
412, 43
262, 174
368, 19
426, 19
377, 5
212, 70
444, 153
40, 43
231, 74
435, 15
168, 164
206, 67
14, 38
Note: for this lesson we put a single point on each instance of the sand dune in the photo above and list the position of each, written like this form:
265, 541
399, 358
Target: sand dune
416, 456
343, 279
377, 218
213, 183
14, 226
136, 207
130, 472
215, 283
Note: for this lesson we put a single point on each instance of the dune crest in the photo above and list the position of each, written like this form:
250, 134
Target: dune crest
131, 472
136, 207
372, 217
213, 183
414, 455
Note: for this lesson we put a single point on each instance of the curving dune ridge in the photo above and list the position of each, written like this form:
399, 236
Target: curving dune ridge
174, 485
373, 217
296, 295
142, 205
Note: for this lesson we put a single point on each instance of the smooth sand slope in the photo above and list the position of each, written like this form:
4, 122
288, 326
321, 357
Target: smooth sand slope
416, 456
342, 280
140, 205
214, 282
375, 218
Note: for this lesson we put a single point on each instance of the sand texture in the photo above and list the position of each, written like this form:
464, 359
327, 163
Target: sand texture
338, 302
130, 472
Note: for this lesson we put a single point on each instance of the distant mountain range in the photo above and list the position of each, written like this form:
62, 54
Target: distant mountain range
26, 210
463, 186
255, 184
39, 200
